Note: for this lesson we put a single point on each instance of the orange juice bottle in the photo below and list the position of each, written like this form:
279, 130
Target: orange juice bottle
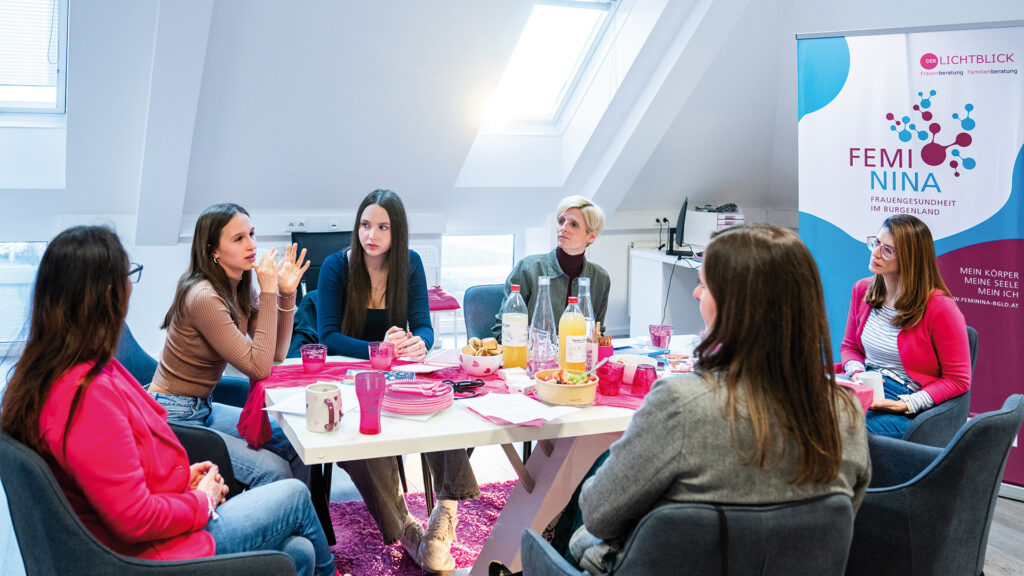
514, 328
572, 337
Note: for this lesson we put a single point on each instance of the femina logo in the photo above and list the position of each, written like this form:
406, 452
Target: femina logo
929, 61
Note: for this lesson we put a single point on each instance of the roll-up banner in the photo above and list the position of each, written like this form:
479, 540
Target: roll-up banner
929, 122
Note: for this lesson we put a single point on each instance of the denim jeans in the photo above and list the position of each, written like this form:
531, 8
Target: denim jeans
277, 459
887, 423
276, 516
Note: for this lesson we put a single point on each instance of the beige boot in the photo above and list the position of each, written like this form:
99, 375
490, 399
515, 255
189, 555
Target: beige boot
412, 538
435, 553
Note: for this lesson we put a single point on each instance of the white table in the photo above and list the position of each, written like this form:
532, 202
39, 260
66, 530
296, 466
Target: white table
570, 446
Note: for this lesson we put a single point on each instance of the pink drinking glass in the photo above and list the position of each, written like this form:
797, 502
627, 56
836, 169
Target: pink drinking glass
370, 388
661, 335
314, 357
382, 354
610, 378
643, 379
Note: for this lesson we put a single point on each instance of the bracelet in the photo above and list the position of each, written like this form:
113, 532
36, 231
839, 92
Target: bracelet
292, 309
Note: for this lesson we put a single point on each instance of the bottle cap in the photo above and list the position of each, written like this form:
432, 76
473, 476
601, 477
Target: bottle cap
574, 300
515, 287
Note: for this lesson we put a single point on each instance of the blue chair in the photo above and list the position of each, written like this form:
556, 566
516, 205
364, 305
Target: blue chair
928, 510
937, 425
230, 390
53, 540
809, 537
480, 306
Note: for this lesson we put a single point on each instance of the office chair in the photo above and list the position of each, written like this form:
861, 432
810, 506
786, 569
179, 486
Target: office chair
318, 245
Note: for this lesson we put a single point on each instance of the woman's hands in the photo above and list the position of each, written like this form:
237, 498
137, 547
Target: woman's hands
886, 405
266, 272
406, 345
281, 277
205, 477
291, 270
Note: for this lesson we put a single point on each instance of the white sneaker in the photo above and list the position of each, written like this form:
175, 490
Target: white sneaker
412, 537
435, 554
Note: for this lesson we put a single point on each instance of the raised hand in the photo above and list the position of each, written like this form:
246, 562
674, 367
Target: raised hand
266, 272
291, 270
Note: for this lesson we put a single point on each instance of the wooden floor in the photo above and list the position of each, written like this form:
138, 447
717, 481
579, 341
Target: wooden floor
1004, 557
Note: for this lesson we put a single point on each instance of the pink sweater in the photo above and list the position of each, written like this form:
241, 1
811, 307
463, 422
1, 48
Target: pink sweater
124, 471
935, 353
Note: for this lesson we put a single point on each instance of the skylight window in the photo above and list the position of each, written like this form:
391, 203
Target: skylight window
557, 42
33, 51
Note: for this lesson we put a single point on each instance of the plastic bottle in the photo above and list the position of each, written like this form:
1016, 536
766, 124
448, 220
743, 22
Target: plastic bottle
572, 337
514, 329
543, 342
587, 308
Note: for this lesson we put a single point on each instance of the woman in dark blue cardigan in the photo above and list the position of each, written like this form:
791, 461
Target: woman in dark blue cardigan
377, 291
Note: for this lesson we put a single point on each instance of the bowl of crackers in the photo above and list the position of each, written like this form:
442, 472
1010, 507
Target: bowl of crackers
481, 357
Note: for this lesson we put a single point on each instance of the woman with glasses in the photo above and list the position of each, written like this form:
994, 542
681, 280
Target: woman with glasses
108, 443
377, 290
229, 309
904, 324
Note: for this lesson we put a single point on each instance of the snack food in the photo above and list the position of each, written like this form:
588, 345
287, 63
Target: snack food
567, 377
485, 347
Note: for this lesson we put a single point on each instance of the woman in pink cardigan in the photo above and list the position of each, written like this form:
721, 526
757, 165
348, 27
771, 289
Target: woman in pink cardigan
107, 441
904, 324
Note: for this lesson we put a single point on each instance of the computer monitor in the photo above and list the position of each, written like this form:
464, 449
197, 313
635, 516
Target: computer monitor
675, 235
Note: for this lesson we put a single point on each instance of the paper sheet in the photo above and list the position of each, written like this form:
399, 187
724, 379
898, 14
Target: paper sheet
515, 408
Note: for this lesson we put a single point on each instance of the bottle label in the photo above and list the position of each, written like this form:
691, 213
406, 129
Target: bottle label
575, 349
513, 330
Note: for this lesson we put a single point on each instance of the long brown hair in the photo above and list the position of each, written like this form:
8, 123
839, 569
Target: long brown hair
79, 304
770, 344
396, 301
202, 267
919, 271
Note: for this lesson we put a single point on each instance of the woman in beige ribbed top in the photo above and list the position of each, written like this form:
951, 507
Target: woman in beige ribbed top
216, 319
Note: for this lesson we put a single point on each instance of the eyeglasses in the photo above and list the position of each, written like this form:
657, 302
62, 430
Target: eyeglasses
888, 252
465, 387
134, 272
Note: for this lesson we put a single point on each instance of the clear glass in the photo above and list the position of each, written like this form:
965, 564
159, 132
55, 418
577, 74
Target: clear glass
587, 308
543, 342
888, 252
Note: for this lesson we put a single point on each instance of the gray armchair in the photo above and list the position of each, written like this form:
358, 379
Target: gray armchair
937, 426
53, 540
928, 510
480, 305
810, 537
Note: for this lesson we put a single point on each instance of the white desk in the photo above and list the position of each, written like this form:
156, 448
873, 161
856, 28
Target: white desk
572, 443
653, 276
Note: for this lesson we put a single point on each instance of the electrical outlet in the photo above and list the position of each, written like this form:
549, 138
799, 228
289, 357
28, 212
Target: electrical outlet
333, 225
296, 225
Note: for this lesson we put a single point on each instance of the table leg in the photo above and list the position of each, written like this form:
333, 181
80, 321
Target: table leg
320, 493
557, 474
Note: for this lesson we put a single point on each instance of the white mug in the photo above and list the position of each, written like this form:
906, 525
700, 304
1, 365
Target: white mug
323, 407
874, 381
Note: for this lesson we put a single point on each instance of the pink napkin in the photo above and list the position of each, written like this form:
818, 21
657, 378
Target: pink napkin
864, 393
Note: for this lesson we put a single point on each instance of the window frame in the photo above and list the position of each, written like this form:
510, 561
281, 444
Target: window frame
540, 124
60, 107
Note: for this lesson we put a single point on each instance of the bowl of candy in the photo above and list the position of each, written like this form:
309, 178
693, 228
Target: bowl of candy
481, 357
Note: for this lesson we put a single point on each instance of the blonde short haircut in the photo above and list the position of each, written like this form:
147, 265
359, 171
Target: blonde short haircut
593, 216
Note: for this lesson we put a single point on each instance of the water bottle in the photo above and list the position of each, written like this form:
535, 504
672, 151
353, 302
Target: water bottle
543, 342
587, 308
514, 329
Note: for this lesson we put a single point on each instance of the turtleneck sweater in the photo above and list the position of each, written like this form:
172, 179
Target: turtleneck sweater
571, 265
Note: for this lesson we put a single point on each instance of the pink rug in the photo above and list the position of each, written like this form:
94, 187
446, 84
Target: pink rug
360, 552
